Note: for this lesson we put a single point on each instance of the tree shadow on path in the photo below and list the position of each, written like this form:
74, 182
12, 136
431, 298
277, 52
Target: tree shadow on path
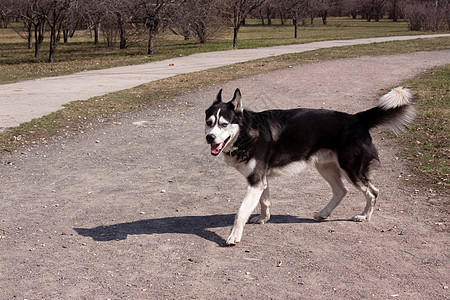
197, 225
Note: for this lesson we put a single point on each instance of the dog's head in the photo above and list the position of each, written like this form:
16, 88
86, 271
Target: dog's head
222, 122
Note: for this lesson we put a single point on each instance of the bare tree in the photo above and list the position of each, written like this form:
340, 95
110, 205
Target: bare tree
378, 9
321, 8
117, 16
298, 10
351, 7
372, 9
55, 13
283, 10
6, 11
93, 13
28, 11
199, 17
120, 10
236, 11
73, 20
150, 13
42, 13
268, 10
102, 17
394, 9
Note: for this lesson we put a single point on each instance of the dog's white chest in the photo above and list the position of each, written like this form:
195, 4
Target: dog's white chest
244, 168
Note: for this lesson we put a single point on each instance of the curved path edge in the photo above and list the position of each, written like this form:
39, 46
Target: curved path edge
23, 101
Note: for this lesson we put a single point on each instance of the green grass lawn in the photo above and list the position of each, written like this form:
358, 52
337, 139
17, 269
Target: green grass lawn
17, 62
426, 145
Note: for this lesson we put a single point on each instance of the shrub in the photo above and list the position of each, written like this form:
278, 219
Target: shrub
428, 15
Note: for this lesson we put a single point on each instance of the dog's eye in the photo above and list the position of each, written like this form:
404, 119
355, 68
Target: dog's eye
224, 124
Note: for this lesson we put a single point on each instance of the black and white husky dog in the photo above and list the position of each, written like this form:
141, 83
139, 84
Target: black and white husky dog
276, 142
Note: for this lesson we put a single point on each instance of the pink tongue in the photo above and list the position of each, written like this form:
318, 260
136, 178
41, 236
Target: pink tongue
216, 148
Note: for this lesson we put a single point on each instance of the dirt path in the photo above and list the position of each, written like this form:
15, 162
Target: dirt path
136, 207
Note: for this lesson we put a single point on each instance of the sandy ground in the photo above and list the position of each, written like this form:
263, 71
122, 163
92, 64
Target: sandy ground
136, 207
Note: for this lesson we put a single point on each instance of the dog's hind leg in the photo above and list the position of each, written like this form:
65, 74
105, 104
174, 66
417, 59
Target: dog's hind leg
331, 173
249, 203
264, 202
371, 194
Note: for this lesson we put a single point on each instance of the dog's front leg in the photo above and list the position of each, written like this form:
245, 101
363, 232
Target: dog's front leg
249, 203
264, 216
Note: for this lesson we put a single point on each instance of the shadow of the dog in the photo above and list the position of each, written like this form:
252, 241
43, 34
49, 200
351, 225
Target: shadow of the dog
198, 225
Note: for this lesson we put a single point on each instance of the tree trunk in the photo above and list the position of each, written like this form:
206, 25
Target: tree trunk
324, 17
30, 36
51, 55
39, 30
369, 14
261, 17
235, 36
55, 37
295, 21
269, 15
65, 35
55, 34
96, 33
151, 42
200, 29
122, 35
37, 45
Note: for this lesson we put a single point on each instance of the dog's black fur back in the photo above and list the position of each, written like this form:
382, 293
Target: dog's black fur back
283, 136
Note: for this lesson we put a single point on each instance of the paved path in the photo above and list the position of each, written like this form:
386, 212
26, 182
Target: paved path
20, 102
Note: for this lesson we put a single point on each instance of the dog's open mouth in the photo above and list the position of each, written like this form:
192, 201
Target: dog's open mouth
217, 148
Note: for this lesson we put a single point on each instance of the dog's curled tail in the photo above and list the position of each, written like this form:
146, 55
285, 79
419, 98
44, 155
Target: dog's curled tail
395, 110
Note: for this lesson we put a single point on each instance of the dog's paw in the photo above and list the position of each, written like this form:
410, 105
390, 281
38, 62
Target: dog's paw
232, 240
259, 219
235, 236
360, 218
320, 216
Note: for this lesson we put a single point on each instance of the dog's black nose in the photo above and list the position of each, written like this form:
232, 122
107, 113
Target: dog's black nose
210, 138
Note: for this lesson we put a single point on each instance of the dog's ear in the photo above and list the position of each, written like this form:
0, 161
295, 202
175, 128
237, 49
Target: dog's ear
236, 101
218, 97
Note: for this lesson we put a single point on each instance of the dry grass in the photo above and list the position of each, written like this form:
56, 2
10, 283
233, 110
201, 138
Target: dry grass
426, 145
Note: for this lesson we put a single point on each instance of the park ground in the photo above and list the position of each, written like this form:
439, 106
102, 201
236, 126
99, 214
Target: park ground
135, 207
